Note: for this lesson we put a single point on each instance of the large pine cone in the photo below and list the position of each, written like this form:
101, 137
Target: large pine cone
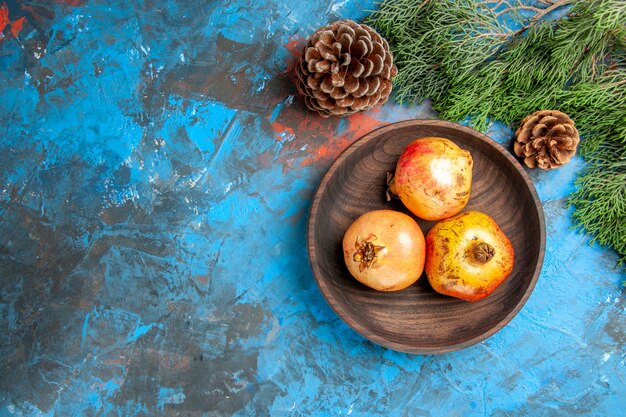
345, 67
547, 139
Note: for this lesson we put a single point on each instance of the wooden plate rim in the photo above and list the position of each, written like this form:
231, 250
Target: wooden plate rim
323, 286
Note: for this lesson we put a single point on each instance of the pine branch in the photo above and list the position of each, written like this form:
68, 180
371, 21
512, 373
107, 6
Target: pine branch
459, 54
541, 13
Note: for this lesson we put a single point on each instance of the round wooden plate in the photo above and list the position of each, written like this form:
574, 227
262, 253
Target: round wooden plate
417, 319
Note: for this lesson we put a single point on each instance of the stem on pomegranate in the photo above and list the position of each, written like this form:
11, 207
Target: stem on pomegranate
365, 254
391, 190
481, 252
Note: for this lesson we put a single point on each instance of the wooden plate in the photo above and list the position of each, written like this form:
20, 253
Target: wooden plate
417, 319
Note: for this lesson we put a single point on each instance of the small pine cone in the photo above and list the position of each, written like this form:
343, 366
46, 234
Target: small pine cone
345, 67
547, 139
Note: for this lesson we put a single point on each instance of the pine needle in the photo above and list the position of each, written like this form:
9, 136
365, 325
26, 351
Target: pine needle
462, 56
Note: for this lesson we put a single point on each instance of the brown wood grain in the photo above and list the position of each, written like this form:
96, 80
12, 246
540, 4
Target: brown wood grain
417, 319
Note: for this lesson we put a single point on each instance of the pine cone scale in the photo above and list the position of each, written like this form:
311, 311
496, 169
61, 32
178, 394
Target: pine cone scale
346, 30
339, 93
346, 41
325, 37
345, 67
337, 80
351, 84
559, 156
327, 84
558, 131
327, 52
312, 53
345, 102
373, 84
359, 49
377, 49
320, 95
540, 130
362, 89
530, 162
369, 67
565, 143
356, 68
378, 62
313, 83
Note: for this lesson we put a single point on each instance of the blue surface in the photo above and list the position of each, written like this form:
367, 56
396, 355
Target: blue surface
156, 177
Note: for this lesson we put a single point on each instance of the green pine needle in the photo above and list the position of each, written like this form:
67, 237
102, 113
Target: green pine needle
459, 54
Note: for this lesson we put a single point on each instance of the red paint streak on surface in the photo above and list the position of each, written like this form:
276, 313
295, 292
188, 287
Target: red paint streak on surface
282, 130
328, 151
294, 46
73, 3
4, 17
312, 129
358, 125
172, 360
201, 279
17, 26
362, 123
318, 139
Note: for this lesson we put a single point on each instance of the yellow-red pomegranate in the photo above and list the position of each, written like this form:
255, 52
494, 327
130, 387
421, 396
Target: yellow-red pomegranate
467, 256
433, 178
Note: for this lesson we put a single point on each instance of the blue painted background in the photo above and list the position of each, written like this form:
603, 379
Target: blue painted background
156, 176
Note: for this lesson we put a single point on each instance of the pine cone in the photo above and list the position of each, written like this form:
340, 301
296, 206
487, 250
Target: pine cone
546, 138
345, 67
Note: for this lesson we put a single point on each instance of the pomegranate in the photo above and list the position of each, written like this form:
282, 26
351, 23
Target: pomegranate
468, 256
433, 178
385, 250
